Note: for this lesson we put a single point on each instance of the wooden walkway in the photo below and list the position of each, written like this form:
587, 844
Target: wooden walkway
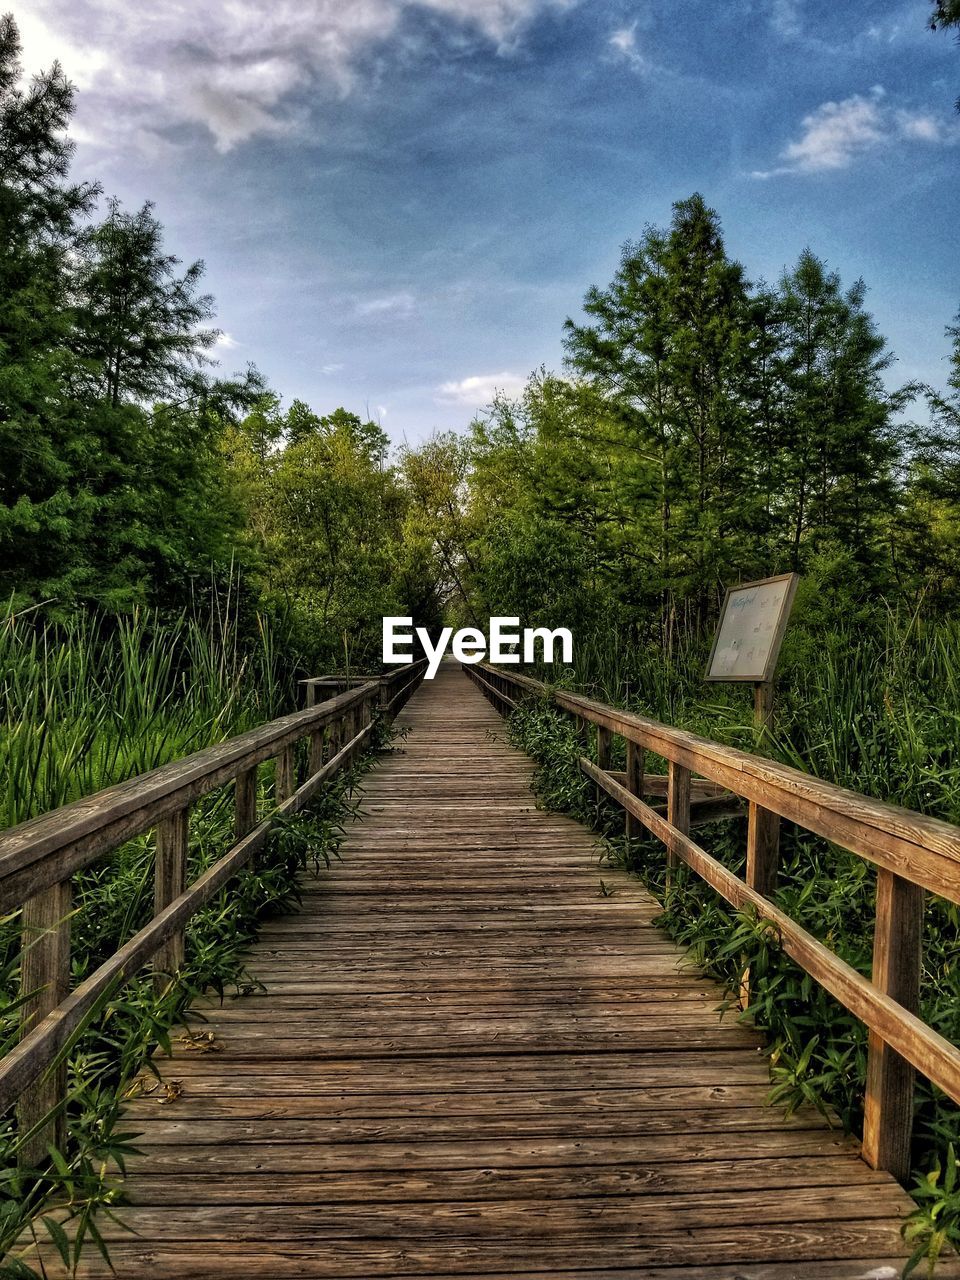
470, 1062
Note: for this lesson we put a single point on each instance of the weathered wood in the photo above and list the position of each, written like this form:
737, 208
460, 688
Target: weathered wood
45, 981
169, 882
922, 849
315, 747
929, 1052
245, 803
634, 782
897, 955
763, 849
678, 803
286, 776
604, 754
27, 1062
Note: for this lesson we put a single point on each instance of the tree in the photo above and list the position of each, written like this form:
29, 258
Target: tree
139, 323
665, 350
43, 434
946, 13
836, 447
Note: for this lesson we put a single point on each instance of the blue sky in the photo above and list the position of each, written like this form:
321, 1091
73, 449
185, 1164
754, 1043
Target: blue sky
399, 203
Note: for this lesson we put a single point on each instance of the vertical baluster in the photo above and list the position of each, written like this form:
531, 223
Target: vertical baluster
169, 881
45, 979
678, 804
315, 752
897, 954
634, 784
245, 802
604, 753
286, 783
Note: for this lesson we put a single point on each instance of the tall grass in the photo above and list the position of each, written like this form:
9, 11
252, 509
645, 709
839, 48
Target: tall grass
95, 700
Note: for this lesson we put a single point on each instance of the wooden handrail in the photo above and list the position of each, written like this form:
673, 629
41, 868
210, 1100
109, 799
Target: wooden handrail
39, 857
912, 852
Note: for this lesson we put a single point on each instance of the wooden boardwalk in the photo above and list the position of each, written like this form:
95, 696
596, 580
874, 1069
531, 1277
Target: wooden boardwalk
470, 1062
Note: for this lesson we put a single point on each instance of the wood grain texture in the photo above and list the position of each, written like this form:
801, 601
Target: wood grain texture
469, 1061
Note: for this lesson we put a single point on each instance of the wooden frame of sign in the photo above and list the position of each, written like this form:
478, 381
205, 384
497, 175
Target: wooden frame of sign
770, 596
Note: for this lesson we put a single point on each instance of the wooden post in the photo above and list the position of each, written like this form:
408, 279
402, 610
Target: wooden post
763, 706
888, 1106
604, 750
169, 881
311, 699
45, 979
678, 805
634, 783
315, 753
286, 783
763, 849
245, 803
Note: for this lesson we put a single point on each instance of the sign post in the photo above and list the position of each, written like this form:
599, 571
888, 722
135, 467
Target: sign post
747, 644
745, 649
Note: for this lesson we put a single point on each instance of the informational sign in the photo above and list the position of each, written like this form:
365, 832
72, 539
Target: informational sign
752, 623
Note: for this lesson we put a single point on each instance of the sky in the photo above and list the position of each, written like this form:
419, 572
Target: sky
399, 203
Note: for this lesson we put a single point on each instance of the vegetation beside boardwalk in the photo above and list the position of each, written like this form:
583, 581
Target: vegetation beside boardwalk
92, 702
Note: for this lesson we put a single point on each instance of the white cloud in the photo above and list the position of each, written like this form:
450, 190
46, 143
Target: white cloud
784, 17
624, 45
837, 133
226, 341
479, 389
397, 304
234, 67
328, 369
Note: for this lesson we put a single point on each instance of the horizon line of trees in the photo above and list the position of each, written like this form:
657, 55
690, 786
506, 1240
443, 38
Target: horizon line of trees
705, 428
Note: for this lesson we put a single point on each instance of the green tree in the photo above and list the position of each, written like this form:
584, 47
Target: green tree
44, 438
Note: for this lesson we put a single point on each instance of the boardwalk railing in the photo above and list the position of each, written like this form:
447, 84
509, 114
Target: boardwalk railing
912, 853
38, 859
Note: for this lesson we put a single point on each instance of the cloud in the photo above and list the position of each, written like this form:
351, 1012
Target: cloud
328, 369
236, 68
398, 304
838, 133
623, 42
479, 389
226, 341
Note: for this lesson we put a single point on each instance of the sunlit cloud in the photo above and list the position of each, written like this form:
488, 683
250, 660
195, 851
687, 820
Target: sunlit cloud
235, 68
480, 389
837, 134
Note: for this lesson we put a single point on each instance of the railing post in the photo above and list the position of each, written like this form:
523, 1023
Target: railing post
897, 955
315, 752
245, 802
45, 979
763, 849
634, 784
604, 752
678, 805
286, 783
169, 881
